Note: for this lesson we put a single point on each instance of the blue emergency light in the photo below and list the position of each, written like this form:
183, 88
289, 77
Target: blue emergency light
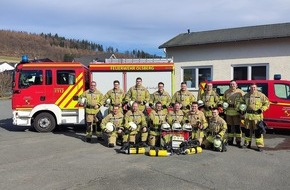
24, 58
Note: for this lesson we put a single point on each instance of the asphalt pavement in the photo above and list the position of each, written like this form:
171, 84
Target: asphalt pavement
61, 160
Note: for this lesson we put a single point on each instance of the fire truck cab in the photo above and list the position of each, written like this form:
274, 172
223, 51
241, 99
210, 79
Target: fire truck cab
278, 92
45, 94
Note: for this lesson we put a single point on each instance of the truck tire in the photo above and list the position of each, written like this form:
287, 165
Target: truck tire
44, 122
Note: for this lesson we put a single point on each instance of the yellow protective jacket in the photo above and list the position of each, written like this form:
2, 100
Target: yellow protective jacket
234, 99
137, 117
196, 117
163, 97
217, 126
116, 119
156, 118
210, 100
116, 97
174, 116
185, 98
93, 98
139, 94
255, 101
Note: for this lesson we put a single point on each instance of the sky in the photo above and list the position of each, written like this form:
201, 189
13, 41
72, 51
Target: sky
135, 24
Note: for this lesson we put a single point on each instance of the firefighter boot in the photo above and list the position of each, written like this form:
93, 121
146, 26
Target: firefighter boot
249, 145
239, 144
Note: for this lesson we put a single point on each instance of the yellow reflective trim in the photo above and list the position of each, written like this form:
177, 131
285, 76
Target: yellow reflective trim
67, 91
70, 95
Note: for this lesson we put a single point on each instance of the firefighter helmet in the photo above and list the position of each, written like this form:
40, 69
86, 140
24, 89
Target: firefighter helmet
225, 105
187, 127
131, 103
110, 127
176, 126
132, 125
165, 127
83, 101
200, 103
217, 144
108, 101
243, 107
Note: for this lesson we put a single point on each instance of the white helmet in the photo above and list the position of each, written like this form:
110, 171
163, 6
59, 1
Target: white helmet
108, 101
132, 125
176, 126
187, 127
131, 103
217, 143
83, 101
147, 105
110, 127
200, 103
243, 107
225, 105
165, 127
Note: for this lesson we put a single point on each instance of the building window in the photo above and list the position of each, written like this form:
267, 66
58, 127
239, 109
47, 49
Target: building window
250, 72
194, 75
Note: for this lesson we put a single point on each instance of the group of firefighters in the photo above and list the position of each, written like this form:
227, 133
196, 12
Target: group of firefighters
129, 120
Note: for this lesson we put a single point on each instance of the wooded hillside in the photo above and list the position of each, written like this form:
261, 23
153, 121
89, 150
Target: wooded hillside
54, 47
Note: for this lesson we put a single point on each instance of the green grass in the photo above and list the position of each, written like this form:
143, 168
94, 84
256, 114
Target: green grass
10, 59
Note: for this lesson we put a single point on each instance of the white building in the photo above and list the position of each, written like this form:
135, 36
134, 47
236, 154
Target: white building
246, 53
5, 67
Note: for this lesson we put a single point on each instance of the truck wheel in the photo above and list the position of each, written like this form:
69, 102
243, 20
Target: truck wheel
44, 122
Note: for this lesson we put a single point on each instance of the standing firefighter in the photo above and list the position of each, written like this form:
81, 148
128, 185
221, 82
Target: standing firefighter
232, 98
139, 94
93, 103
256, 103
112, 125
160, 96
210, 100
135, 117
198, 122
184, 97
114, 96
216, 132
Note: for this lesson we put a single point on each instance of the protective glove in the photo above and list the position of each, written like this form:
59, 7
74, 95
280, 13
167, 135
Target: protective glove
259, 111
150, 104
164, 106
187, 107
144, 102
186, 121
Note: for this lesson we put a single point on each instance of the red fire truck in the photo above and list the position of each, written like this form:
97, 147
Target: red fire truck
46, 94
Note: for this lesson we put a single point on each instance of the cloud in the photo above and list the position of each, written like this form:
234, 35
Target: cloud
136, 24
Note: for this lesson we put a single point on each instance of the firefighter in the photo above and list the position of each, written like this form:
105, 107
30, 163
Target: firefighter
138, 118
256, 103
116, 119
184, 97
210, 99
94, 116
156, 118
114, 96
160, 96
216, 132
176, 115
139, 94
232, 98
198, 122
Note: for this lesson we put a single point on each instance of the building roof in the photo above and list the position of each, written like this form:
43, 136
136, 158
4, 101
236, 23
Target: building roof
260, 32
5, 67
87, 59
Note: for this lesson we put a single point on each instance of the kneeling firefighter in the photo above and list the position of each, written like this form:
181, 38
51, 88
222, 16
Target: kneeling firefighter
135, 122
115, 119
216, 133
156, 118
